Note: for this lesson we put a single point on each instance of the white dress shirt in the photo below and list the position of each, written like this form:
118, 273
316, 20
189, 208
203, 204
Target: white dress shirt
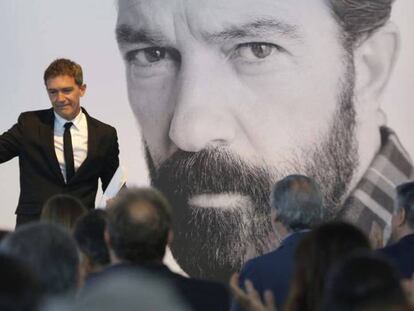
79, 133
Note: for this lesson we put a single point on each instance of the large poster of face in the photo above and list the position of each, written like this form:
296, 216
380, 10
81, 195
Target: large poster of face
231, 96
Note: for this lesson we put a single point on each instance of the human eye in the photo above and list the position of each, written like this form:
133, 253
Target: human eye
255, 51
67, 90
150, 56
152, 61
52, 92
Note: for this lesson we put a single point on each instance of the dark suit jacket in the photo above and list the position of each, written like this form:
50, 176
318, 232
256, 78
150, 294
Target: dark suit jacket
32, 140
200, 295
401, 254
272, 271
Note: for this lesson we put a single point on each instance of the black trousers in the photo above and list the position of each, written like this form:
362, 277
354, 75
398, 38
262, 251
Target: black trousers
22, 219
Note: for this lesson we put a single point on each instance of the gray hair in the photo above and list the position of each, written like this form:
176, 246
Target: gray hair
298, 202
360, 18
49, 251
405, 200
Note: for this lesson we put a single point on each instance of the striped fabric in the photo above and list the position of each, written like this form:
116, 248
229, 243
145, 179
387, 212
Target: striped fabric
370, 206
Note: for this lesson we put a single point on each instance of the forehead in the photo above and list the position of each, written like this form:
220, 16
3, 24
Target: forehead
60, 81
212, 16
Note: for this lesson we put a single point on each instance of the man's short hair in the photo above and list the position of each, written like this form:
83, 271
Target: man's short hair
405, 200
49, 251
359, 18
64, 67
298, 202
89, 234
139, 221
63, 210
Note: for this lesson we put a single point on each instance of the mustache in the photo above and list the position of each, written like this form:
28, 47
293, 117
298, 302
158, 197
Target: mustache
211, 171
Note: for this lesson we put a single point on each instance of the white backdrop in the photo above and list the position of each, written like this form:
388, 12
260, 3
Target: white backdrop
33, 33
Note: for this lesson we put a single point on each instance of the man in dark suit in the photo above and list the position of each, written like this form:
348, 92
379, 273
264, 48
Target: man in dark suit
401, 252
297, 206
62, 149
138, 231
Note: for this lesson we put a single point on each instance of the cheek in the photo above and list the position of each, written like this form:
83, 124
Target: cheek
153, 105
288, 111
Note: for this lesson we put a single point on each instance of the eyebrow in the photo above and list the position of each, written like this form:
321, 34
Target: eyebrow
259, 28
126, 34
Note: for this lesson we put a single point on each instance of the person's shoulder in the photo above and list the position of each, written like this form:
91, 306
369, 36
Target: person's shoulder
261, 264
392, 249
97, 123
36, 115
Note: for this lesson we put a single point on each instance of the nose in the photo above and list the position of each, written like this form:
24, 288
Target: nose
203, 116
60, 97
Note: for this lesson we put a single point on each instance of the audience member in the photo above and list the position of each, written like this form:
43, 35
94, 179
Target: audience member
89, 235
296, 207
401, 252
63, 209
364, 282
316, 253
19, 289
127, 291
138, 231
50, 252
3, 234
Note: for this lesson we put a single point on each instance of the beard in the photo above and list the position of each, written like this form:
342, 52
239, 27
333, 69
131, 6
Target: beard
211, 242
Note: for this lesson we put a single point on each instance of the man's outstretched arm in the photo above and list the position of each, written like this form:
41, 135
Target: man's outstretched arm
11, 141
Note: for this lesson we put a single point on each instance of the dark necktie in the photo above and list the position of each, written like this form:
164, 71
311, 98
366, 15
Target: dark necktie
68, 152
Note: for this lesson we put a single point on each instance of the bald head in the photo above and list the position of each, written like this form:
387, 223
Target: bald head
139, 222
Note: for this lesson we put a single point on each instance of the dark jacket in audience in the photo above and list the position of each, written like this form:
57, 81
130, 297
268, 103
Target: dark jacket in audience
273, 271
200, 295
402, 255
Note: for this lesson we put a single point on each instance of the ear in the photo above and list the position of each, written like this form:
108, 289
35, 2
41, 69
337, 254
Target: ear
82, 89
170, 237
400, 219
374, 60
107, 239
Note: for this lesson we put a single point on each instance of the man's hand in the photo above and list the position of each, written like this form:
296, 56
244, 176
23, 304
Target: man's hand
250, 300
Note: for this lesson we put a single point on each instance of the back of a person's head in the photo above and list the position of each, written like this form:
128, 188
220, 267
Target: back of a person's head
19, 289
89, 233
405, 200
3, 234
63, 210
363, 282
139, 221
49, 251
316, 253
298, 202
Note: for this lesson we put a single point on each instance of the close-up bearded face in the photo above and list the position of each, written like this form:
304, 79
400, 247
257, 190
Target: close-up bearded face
233, 96
212, 241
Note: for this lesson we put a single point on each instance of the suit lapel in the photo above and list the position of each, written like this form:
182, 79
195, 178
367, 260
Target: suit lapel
48, 141
92, 144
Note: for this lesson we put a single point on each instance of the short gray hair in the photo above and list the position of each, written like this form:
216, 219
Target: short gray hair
298, 202
405, 200
359, 18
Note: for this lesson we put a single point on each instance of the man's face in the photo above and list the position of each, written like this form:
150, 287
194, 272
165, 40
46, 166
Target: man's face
232, 96
65, 94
